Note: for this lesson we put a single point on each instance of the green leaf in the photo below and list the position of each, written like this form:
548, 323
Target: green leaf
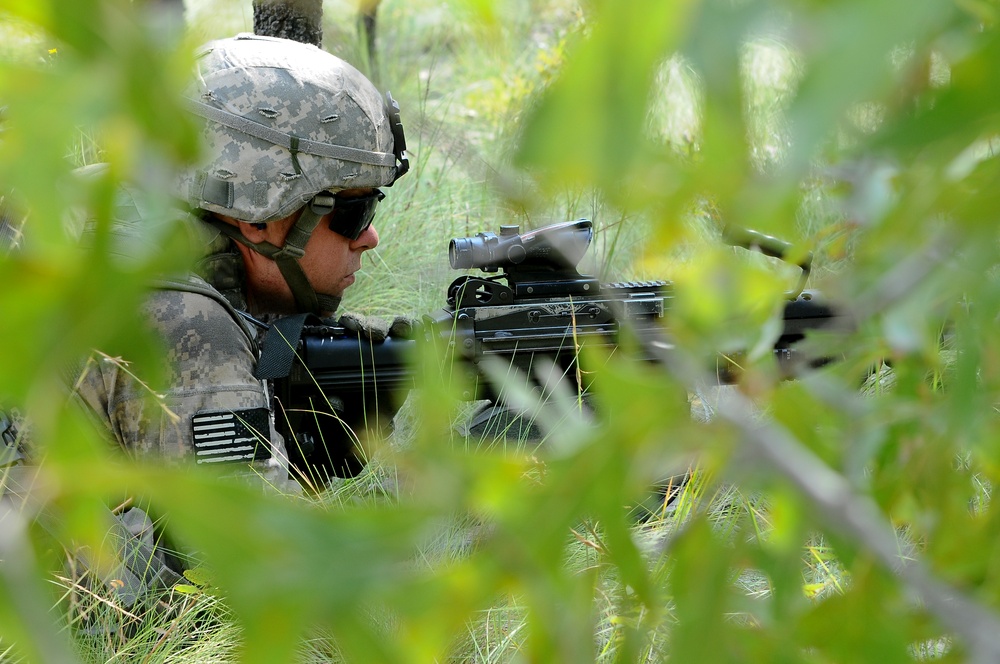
589, 127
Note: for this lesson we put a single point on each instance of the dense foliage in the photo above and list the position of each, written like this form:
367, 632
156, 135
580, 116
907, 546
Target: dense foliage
843, 516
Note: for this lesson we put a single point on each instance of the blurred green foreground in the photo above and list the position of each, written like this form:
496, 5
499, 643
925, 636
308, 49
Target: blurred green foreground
844, 516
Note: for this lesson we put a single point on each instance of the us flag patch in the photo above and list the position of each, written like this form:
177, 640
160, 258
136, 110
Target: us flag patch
227, 436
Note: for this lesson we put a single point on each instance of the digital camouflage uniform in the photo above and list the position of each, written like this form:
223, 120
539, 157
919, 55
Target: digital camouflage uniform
211, 361
211, 353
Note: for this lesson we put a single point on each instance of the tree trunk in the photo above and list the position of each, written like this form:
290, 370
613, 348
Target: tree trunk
367, 19
301, 20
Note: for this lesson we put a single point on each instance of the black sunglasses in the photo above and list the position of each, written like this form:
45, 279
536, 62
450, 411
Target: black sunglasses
352, 216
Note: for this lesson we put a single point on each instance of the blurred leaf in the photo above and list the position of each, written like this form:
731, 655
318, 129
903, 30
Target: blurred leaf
700, 583
870, 626
847, 48
283, 564
588, 128
723, 304
25, 616
956, 115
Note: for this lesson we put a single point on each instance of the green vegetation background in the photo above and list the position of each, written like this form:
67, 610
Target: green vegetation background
832, 518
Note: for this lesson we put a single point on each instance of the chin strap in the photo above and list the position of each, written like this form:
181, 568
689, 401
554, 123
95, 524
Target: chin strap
287, 257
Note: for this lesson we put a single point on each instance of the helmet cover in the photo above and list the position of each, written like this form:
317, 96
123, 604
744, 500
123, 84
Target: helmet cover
285, 121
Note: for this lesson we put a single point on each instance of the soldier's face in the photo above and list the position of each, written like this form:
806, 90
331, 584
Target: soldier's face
330, 261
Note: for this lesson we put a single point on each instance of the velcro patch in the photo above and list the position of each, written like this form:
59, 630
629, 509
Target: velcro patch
229, 436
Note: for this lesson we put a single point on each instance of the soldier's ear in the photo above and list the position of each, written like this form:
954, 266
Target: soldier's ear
257, 232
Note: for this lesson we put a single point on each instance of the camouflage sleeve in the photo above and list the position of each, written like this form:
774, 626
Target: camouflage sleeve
210, 362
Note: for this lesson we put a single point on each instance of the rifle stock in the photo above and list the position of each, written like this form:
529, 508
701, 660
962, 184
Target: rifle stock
538, 306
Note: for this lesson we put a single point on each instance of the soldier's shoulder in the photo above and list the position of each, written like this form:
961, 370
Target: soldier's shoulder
190, 306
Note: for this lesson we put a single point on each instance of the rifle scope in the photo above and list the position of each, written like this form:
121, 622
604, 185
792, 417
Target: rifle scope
552, 247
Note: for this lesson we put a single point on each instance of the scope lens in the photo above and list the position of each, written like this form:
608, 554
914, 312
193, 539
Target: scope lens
466, 253
460, 253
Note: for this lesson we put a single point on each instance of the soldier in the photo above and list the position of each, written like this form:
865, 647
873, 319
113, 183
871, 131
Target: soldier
297, 143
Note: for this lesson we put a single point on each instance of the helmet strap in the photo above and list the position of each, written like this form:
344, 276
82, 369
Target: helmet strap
328, 304
307, 300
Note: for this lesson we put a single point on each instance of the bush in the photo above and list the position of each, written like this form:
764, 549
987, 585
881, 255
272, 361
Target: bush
824, 522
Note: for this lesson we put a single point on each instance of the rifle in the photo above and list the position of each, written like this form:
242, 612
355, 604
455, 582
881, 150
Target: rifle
535, 305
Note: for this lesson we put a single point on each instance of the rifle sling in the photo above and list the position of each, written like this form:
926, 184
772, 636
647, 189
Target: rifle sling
279, 345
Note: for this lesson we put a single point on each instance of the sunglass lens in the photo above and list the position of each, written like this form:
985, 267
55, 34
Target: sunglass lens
352, 216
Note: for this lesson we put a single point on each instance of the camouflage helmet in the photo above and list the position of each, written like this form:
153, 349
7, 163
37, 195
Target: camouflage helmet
286, 121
